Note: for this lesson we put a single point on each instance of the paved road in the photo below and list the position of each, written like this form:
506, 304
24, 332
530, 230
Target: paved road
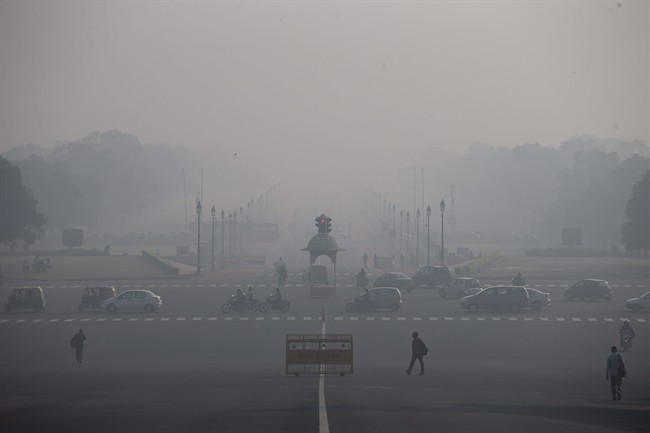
189, 367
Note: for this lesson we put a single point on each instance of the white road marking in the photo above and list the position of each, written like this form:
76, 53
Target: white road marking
323, 423
339, 318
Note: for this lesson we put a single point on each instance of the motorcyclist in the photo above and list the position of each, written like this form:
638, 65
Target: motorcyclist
249, 296
626, 330
364, 298
362, 279
276, 297
238, 298
518, 280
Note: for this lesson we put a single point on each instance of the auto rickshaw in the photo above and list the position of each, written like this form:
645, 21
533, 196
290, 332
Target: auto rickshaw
94, 295
25, 298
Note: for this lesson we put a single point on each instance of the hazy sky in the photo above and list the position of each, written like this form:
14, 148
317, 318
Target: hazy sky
325, 77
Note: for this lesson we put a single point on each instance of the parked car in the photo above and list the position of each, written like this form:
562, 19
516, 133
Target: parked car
133, 300
93, 296
508, 298
25, 298
640, 303
379, 298
394, 279
538, 299
433, 277
589, 289
459, 287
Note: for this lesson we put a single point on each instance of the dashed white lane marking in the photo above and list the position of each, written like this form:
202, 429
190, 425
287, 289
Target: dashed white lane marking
338, 318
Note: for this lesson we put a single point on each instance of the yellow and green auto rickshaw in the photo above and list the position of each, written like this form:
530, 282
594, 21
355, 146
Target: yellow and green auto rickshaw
94, 295
25, 298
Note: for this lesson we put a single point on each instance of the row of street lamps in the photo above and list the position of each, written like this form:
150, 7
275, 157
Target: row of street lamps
232, 235
417, 233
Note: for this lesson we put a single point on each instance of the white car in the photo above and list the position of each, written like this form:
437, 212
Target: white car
133, 300
537, 299
640, 303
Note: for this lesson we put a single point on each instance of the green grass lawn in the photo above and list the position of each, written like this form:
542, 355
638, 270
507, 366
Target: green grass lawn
79, 268
567, 267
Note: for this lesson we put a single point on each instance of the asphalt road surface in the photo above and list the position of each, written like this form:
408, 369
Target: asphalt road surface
190, 368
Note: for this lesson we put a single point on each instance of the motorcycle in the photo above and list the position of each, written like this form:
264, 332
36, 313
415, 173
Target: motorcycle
359, 304
233, 304
626, 341
277, 304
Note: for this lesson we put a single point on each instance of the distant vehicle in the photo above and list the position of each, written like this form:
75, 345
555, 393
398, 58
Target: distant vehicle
93, 296
379, 298
508, 298
640, 303
25, 298
432, 277
589, 289
394, 279
538, 299
133, 300
459, 287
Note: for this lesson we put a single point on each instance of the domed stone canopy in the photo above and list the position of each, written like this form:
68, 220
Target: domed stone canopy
322, 244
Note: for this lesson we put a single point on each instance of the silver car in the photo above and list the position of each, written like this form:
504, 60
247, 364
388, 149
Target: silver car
538, 299
640, 303
459, 287
133, 300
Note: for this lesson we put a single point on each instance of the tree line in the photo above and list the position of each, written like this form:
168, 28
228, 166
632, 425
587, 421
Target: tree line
600, 186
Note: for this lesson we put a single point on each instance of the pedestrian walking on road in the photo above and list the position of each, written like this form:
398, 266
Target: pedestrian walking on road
375, 261
615, 372
418, 350
77, 343
365, 259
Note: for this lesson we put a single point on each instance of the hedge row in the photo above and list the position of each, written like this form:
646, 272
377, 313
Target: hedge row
469, 268
161, 263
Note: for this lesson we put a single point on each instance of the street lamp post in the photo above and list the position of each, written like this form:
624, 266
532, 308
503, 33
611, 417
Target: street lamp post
408, 251
223, 250
428, 235
234, 234
442, 231
229, 234
198, 242
241, 232
214, 217
401, 217
417, 238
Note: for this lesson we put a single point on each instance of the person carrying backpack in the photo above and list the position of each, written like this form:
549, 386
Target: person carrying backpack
418, 350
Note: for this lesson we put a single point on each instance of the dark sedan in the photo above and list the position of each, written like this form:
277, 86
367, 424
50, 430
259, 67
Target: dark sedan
394, 279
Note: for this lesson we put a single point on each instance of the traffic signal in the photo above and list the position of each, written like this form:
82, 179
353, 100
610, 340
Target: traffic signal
320, 223
328, 224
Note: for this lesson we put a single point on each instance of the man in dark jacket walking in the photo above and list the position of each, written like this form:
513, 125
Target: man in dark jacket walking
615, 372
77, 343
418, 350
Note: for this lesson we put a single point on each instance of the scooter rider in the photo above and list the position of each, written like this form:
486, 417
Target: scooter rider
276, 297
624, 330
239, 297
